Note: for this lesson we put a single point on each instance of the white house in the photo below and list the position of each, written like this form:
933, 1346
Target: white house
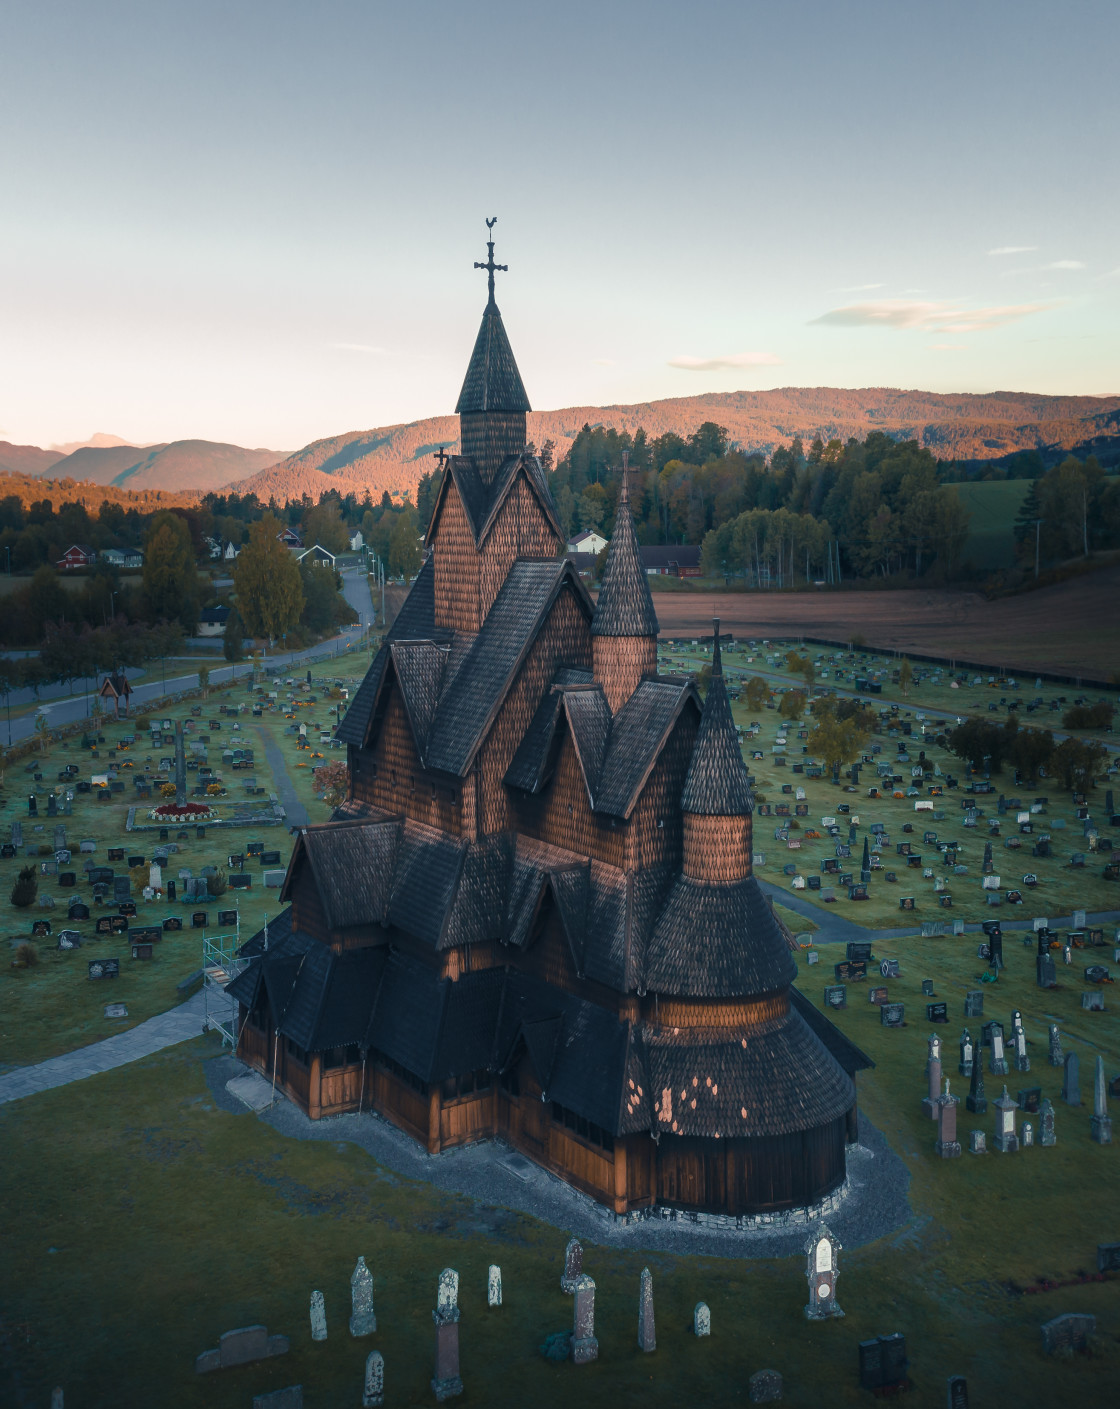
212, 621
230, 551
587, 542
356, 541
318, 555
123, 557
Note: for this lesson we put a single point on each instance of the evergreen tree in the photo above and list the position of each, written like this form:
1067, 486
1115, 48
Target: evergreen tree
232, 647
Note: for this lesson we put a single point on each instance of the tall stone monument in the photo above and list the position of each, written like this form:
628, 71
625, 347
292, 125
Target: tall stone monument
821, 1271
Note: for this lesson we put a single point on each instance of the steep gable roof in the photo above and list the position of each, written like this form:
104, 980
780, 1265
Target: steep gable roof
625, 607
351, 863
472, 700
482, 501
493, 382
639, 731
717, 783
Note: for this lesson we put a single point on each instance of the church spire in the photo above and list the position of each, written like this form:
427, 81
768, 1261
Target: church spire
717, 783
624, 627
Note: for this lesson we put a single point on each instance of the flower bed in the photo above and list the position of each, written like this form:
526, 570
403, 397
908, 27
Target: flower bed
182, 812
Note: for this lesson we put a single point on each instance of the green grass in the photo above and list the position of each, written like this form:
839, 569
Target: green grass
172, 1221
992, 506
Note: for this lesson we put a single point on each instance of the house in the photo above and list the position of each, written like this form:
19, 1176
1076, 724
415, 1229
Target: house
115, 688
212, 621
290, 538
230, 551
671, 560
213, 545
78, 555
588, 542
357, 542
125, 558
318, 555
534, 916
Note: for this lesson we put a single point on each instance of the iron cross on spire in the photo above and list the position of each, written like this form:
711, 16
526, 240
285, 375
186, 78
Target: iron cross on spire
490, 266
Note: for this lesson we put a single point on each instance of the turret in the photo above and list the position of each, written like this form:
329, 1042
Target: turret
624, 627
716, 800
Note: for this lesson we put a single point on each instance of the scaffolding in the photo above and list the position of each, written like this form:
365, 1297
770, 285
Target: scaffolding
221, 962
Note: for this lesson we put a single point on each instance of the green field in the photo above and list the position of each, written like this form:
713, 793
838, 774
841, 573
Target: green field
992, 506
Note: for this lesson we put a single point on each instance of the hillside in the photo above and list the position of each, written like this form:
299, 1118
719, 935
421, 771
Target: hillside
181, 465
951, 426
992, 506
26, 459
29, 488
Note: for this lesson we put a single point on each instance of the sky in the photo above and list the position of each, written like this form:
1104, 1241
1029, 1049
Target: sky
256, 222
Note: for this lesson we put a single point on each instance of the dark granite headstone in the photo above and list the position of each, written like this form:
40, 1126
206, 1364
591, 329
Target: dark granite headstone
104, 968
937, 1012
892, 1015
836, 996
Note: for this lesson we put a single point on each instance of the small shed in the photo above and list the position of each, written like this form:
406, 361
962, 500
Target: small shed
116, 688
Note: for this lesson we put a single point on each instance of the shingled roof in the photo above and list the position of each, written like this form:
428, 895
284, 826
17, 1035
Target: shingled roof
472, 699
493, 382
352, 863
625, 607
717, 783
717, 941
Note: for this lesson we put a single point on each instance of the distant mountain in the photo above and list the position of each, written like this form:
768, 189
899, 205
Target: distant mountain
26, 459
954, 426
100, 440
198, 465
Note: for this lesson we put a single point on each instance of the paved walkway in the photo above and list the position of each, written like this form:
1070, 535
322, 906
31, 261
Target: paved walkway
166, 1030
285, 788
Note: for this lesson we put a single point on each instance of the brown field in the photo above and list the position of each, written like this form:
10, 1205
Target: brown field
1072, 628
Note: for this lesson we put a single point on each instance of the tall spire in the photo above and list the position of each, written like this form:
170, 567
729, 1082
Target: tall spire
493, 382
625, 607
717, 783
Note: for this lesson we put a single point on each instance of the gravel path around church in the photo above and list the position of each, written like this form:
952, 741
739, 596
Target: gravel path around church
491, 1174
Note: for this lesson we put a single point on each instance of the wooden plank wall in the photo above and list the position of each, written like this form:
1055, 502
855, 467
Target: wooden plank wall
520, 531
456, 567
389, 775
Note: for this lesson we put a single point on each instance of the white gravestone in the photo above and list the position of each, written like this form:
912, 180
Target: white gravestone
494, 1286
363, 1322
318, 1317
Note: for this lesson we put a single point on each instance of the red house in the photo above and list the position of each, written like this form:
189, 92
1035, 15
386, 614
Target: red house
78, 555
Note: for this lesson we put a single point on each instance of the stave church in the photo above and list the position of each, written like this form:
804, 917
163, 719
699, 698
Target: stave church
534, 916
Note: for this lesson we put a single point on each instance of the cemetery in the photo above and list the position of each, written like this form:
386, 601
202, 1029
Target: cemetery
590, 1037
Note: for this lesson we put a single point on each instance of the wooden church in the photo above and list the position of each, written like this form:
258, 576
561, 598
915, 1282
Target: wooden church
534, 916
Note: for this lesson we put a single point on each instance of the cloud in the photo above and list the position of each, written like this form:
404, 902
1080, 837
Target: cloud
860, 288
604, 362
358, 347
1065, 264
719, 364
1014, 249
930, 317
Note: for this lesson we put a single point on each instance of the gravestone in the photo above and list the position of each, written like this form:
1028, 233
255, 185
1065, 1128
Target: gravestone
974, 1003
318, 1317
1005, 1139
883, 1362
889, 968
1071, 1087
977, 1143
877, 996
585, 1347
937, 1012
947, 1144
363, 1322
1093, 1002
821, 1271
288, 1398
998, 1064
892, 1015
241, 1347
964, 1065
373, 1386
1108, 1257
1100, 1126
647, 1330
702, 1316
836, 996
1046, 1132
494, 1285
573, 1266
976, 1101
764, 1387
1068, 1332
957, 1392
927, 988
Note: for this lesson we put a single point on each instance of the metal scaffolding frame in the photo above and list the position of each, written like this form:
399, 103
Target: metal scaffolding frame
221, 963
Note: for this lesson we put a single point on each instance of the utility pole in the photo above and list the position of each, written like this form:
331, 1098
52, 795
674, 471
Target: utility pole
1037, 538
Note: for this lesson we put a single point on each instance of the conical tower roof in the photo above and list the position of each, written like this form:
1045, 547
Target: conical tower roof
493, 382
717, 782
625, 607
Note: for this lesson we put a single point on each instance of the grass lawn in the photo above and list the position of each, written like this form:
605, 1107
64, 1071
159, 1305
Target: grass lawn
992, 506
166, 1221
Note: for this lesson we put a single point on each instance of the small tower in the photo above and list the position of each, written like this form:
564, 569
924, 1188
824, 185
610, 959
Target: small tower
624, 627
492, 404
717, 800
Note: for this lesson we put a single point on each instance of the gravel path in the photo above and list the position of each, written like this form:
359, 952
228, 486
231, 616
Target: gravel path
295, 810
491, 1174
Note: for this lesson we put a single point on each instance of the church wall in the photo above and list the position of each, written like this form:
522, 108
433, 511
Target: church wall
521, 530
562, 640
308, 914
388, 773
456, 566
647, 843
716, 848
562, 814
548, 956
490, 437
621, 663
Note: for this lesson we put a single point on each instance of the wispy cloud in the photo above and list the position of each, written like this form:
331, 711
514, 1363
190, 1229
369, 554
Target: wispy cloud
926, 316
719, 364
1014, 249
1065, 264
359, 347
